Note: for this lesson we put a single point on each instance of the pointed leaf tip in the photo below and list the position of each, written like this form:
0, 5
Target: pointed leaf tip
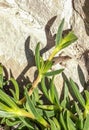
37, 55
59, 32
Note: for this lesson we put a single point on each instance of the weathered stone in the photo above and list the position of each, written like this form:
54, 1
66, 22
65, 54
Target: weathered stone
35, 18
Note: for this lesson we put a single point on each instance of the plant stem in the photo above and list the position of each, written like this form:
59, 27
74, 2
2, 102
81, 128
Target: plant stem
55, 51
39, 77
34, 85
21, 101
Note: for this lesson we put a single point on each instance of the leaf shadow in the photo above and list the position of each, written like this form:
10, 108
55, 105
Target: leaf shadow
69, 88
22, 79
81, 76
50, 38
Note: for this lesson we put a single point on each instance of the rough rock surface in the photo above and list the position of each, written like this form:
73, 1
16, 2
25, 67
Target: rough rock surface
20, 19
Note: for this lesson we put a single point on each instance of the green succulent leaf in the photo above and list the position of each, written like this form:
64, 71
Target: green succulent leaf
29, 125
1, 76
70, 38
22, 126
4, 107
77, 93
35, 96
7, 114
47, 66
59, 33
37, 56
13, 94
52, 73
53, 125
51, 90
62, 120
87, 97
56, 98
12, 122
79, 112
42, 65
44, 88
3, 120
86, 123
52, 93
70, 124
37, 116
47, 107
57, 123
31, 105
33, 113
8, 100
80, 116
16, 93
66, 92
49, 114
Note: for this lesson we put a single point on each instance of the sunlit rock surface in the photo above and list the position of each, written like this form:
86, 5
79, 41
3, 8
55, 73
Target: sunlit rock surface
23, 23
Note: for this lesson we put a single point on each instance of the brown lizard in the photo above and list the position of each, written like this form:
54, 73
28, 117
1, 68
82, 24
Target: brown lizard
60, 59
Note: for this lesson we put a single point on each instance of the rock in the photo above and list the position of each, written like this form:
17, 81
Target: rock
20, 19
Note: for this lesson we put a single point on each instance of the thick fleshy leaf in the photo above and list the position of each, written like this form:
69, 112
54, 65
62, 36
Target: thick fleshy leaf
87, 97
70, 124
57, 123
77, 93
63, 121
42, 65
13, 122
5, 98
3, 120
56, 97
6, 114
49, 113
53, 125
35, 96
55, 72
44, 88
53, 94
65, 90
59, 33
3, 107
31, 105
47, 107
79, 112
37, 56
51, 90
16, 88
65, 93
22, 126
29, 125
70, 38
86, 123
1, 69
47, 66
1, 76
80, 117
37, 116
13, 94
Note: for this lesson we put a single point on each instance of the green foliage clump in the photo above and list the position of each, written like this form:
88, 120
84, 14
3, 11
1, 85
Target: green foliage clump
31, 112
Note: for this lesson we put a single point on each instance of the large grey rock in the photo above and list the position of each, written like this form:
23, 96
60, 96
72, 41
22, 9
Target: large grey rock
35, 18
